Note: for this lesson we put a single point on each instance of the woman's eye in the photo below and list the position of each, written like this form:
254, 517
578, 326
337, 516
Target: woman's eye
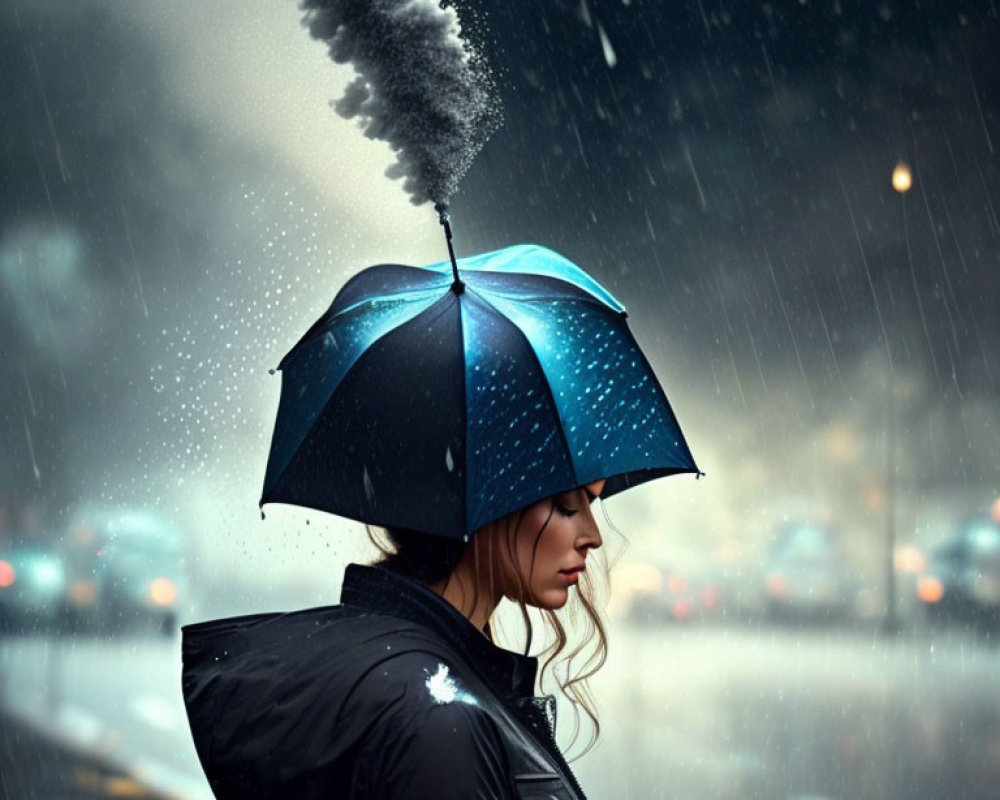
566, 511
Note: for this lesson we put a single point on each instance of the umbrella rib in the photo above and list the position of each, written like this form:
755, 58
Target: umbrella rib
408, 294
559, 285
587, 299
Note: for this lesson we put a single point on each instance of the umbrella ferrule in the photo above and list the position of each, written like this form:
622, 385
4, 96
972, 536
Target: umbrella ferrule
444, 218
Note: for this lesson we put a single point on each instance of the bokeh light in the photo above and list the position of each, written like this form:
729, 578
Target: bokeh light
902, 178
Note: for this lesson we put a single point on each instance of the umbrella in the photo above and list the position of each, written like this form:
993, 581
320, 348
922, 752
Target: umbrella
437, 404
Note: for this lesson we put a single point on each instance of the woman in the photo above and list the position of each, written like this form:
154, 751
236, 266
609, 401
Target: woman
399, 691
470, 412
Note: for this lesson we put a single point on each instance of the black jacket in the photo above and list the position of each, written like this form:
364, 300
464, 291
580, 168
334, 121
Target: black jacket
391, 695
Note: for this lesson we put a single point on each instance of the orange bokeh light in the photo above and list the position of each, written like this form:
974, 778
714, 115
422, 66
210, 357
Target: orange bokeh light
162, 591
82, 593
6, 575
875, 497
930, 589
777, 586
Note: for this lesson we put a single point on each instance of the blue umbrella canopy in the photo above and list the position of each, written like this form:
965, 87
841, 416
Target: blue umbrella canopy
419, 402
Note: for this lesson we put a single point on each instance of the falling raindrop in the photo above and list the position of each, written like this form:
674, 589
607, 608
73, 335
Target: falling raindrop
48, 116
134, 260
610, 58
975, 94
27, 387
31, 450
694, 174
449, 462
868, 272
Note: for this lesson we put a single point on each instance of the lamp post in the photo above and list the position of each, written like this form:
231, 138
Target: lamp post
902, 181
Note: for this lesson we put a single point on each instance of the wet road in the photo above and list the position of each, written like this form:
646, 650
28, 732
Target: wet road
119, 699
688, 712
794, 713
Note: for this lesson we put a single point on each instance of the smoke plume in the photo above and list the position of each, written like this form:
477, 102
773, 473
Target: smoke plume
419, 86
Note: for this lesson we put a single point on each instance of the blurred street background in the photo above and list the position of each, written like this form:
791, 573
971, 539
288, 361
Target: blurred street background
796, 202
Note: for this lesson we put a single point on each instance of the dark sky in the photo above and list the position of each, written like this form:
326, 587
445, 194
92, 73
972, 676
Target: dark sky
733, 136
724, 168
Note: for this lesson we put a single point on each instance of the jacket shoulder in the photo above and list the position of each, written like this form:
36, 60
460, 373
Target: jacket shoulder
426, 715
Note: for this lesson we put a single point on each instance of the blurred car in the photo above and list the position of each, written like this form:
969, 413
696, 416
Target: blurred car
655, 594
806, 576
32, 587
124, 567
962, 580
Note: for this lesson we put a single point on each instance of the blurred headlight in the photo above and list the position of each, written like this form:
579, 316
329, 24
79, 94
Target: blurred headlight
47, 574
777, 586
162, 591
682, 609
907, 558
82, 593
6, 575
930, 589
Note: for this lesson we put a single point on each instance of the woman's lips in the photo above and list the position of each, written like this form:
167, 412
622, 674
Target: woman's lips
573, 570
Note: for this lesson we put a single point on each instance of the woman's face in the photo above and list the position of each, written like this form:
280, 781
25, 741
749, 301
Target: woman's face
552, 543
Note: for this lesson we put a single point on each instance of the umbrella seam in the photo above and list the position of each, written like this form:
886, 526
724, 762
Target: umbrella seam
329, 314
465, 420
588, 299
466, 265
587, 295
387, 298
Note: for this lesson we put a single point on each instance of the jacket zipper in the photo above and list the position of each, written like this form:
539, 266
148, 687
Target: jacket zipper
551, 747
561, 761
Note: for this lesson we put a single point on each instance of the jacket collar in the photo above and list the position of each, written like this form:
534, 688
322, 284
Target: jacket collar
381, 591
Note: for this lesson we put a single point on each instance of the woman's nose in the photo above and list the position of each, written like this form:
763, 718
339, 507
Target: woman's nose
590, 537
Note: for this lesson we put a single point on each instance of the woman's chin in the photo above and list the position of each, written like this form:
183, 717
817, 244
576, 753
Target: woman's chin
552, 599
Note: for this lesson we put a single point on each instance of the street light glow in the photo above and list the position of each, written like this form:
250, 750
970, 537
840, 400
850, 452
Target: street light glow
902, 178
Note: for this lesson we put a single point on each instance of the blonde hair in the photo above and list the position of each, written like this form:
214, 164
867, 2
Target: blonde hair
579, 643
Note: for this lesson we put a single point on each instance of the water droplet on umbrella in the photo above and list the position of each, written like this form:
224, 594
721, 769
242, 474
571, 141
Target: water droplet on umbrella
369, 489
